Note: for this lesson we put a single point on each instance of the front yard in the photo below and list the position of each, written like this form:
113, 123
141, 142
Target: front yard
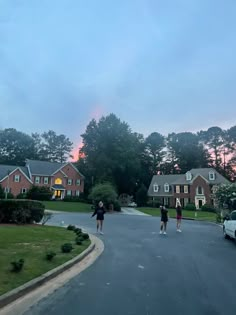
67, 206
31, 244
201, 215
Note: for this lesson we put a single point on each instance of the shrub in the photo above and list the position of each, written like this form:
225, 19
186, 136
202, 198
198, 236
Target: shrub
141, 196
208, 208
77, 231
153, 203
50, 255
17, 265
39, 193
71, 199
116, 206
190, 206
85, 236
2, 194
71, 227
21, 211
21, 196
105, 192
66, 248
79, 240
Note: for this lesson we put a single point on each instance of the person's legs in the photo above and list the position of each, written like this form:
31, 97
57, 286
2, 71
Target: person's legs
178, 225
101, 225
98, 224
161, 227
165, 226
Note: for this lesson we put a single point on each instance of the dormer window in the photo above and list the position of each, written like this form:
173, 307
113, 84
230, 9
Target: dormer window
212, 176
166, 187
155, 188
188, 176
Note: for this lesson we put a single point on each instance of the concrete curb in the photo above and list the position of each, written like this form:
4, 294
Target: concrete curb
11, 296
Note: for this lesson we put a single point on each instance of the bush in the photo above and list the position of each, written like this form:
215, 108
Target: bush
50, 255
103, 192
21, 196
141, 196
21, 211
2, 194
154, 203
85, 236
66, 248
208, 208
71, 199
39, 193
116, 206
71, 227
190, 206
79, 240
17, 265
77, 231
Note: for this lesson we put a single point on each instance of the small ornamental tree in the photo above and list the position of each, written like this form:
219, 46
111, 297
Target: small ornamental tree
105, 193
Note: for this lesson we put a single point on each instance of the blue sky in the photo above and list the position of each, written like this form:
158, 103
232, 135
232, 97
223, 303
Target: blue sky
159, 65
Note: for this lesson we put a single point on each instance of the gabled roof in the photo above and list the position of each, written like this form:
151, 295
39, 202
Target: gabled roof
203, 172
8, 169
43, 167
161, 180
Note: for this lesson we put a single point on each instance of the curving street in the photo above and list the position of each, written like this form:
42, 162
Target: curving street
144, 273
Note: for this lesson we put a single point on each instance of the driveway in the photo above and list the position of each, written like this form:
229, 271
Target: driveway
144, 273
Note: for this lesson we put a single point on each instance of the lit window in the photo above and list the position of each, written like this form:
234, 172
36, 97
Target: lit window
16, 178
78, 182
177, 189
211, 176
37, 180
45, 180
166, 188
58, 181
155, 188
68, 192
185, 189
69, 182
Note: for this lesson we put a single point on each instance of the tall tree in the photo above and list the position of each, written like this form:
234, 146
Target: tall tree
111, 152
153, 151
54, 148
15, 147
186, 152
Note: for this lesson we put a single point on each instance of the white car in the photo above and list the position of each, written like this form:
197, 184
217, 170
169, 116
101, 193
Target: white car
132, 204
229, 227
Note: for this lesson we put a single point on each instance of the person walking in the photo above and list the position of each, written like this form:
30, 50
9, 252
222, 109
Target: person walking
178, 217
99, 211
164, 220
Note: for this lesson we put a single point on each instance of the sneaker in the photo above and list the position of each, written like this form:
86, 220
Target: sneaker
161, 232
164, 233
101, 233
179, 231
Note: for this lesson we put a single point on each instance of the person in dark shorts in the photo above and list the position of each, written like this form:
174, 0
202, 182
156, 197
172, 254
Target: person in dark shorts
99, 211
178, 217
164, 220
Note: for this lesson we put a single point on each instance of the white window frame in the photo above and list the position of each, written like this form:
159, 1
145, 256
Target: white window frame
37, 180
177, 191
45, 180
7, 190
69, 182
23, 190
155, 188
186, 189
17, 177
78, 182
212, 176
69, 192
166, 187
188, 176
77, 193
198, 191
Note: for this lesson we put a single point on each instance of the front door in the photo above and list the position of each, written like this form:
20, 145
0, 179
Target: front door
199, 204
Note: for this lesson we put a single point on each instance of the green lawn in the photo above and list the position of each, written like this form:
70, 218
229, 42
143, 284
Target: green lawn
67, 206
31, 244
201, 215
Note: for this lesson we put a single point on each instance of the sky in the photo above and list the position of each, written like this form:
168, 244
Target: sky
160, 65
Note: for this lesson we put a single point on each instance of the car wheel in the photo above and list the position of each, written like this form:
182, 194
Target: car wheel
226, 236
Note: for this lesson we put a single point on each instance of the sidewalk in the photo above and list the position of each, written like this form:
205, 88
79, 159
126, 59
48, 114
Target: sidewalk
132, 211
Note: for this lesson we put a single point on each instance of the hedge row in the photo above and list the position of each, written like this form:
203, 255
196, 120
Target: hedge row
21, 211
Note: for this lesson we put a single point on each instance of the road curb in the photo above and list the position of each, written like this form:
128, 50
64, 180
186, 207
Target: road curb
13, 295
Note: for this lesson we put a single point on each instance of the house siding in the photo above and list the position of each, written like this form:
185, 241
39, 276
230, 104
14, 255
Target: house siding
16, 187
199, 181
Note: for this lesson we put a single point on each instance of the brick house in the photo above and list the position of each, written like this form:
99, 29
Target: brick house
196, 186
64, 179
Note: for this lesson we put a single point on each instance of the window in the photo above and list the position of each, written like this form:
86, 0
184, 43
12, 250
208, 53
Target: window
177, 189
68, 192
211, 176
37, 180
78, 182
69, 182
185, 189
23, 190
166, 188
199, 190
188, 176
233, 216
7, 189
155, 188
45, 180
17, 178
58, 181
77, 192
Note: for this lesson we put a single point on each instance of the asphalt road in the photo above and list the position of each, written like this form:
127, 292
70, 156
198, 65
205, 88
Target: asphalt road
144, 273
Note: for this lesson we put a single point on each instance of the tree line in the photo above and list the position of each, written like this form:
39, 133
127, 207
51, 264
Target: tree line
113, 153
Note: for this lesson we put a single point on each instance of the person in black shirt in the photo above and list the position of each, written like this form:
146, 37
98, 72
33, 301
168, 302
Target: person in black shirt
99, 211
178, 217
164, 219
